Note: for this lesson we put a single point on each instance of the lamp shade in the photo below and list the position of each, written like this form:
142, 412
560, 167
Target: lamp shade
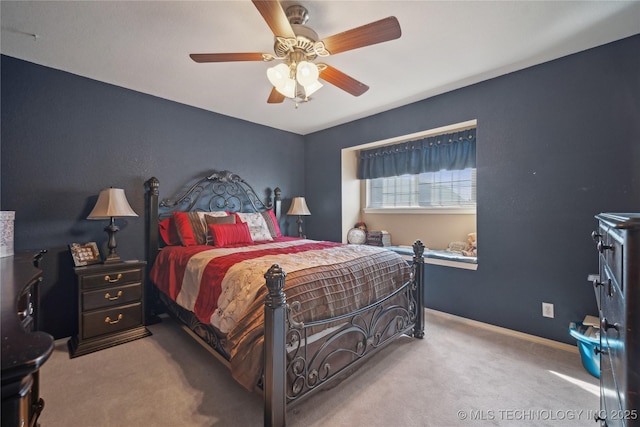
111, 203
281, 80
278, 75
312, 88
298, 207
307, 73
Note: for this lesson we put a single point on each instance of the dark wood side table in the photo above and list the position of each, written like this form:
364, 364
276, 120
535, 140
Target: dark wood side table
24, 349
110, 306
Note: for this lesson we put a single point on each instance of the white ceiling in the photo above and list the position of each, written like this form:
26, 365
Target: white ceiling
144, 46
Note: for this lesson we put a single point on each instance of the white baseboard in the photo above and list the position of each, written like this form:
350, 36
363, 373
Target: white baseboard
505, 331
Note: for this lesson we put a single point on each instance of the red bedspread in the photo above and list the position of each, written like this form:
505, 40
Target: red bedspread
174, 263
225, 287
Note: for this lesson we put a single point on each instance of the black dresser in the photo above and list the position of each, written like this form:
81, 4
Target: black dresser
24, 349
618, 295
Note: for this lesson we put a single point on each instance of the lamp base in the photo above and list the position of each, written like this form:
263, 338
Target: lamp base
300, 233
111, 230
112, 258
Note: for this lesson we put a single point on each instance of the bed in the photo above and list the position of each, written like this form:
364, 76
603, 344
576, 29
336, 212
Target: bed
288, 316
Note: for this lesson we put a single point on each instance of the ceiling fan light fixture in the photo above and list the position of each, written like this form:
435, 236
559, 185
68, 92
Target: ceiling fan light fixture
288, 88
297, 46
307, 73
278, 75
312, 88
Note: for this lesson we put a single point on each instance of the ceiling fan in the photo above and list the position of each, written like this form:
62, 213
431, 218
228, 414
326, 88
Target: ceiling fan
297, 46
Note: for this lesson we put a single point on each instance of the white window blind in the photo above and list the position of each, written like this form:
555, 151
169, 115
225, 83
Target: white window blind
443, 189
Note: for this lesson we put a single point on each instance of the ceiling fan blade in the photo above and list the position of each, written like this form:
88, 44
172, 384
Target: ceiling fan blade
343, 81
227, 57
275, 97
376, 32
275, 17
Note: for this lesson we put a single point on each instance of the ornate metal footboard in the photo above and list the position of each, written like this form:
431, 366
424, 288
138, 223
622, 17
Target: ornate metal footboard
299, 359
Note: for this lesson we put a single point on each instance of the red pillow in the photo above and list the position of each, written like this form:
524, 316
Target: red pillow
168, 232
185, 222
272, 223
230, 234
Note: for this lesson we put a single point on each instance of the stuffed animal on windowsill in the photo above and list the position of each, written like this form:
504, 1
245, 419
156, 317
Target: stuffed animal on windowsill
361, 225
472, 245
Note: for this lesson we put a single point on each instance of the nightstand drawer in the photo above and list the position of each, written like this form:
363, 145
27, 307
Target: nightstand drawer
111, 320
114, 277
109, 297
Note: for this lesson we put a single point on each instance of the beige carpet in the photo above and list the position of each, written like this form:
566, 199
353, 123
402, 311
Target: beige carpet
459, 375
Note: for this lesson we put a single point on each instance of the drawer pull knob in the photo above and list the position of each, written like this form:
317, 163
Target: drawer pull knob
602, 247
604, 324
113, 322
595, 236
108, 278
110, 298
596, 350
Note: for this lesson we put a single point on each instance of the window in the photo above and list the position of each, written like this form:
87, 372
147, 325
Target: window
453, 190
403, 191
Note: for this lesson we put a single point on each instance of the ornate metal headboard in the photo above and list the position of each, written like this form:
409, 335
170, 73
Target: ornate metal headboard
221, 190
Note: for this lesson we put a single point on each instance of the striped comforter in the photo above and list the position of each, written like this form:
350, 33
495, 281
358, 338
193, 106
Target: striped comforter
225, 287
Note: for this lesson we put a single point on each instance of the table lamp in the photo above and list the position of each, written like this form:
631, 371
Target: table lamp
111, 204
299, 207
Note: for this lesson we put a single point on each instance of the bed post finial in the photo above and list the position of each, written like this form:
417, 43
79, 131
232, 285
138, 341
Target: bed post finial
153, 184
418, 287
275, 331
275, 283
277, 203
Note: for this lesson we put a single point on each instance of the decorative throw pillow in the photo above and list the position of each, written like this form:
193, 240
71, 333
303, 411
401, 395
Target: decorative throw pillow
168, 232
226, 219
211, 220
190, 227
215, 214
257, 225
230, 234
272, 223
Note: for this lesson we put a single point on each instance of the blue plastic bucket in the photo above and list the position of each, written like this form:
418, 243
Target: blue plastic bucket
587, 347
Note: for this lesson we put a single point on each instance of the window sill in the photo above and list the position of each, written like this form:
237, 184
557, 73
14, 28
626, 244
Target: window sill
435, 257
448, 263
423, 211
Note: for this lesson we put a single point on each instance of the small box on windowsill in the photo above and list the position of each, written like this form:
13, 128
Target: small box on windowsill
6, 233
378, 238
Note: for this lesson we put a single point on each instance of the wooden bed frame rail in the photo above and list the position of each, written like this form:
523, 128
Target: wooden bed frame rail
295, 365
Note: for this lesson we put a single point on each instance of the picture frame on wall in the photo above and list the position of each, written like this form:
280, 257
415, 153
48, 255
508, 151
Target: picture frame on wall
85, 254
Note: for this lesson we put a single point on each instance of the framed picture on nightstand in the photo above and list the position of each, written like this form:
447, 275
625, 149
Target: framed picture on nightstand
84, 254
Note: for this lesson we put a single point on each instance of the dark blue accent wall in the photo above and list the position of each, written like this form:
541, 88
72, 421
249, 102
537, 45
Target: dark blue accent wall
556, 144
65, 137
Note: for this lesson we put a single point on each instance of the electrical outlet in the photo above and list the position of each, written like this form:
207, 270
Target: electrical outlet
547, 309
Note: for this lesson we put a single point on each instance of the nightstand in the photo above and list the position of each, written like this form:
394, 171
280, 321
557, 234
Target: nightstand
110, 306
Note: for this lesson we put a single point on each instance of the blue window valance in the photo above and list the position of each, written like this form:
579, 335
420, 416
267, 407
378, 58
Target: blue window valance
452, 151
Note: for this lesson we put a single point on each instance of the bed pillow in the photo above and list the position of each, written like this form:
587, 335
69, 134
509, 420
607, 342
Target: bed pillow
168, 232
190, 228
230, 234
257, 225
272, 223
211, 220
